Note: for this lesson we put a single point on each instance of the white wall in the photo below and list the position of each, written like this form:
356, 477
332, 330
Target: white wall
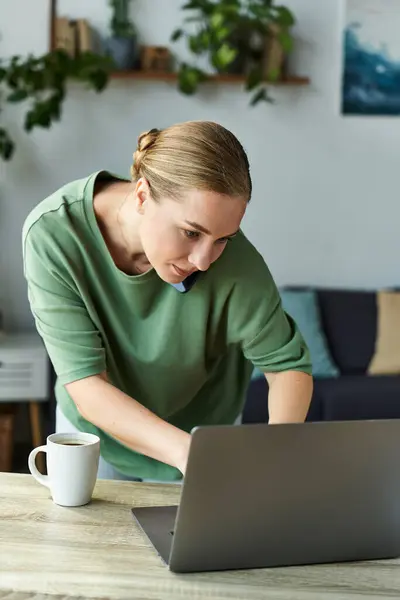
325, 208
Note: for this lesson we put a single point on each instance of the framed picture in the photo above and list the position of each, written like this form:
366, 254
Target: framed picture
371, 58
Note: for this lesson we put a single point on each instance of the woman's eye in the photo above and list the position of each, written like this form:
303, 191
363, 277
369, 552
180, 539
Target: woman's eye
191, 234
224, 240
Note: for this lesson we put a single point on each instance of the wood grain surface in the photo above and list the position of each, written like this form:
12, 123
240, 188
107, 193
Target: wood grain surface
52, 553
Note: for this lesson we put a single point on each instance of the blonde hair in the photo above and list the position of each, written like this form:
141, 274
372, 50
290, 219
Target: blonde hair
197, 155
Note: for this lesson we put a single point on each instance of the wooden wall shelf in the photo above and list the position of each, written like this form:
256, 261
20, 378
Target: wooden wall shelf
292, 80
223, 78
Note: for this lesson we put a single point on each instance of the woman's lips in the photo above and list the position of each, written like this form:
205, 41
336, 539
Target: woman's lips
182, 273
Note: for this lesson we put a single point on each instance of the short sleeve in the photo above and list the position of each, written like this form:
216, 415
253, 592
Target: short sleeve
71, 339
269, 337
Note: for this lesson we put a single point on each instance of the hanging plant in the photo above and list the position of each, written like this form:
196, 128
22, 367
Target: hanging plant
234, 35
41, 82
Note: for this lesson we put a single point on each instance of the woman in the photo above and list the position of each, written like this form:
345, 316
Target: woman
154, 306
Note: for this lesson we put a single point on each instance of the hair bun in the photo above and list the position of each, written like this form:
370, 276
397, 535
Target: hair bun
145, 142
147, 139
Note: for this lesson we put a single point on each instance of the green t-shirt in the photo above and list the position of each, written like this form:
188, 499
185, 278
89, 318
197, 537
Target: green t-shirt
188, 357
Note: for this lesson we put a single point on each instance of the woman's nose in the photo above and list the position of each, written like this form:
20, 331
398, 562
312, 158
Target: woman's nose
201, 259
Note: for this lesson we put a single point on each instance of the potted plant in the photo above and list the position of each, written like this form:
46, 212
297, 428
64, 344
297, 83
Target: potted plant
122, 44
41, 83
237, 36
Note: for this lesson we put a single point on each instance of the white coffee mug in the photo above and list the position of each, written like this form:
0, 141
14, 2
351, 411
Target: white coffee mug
72, 463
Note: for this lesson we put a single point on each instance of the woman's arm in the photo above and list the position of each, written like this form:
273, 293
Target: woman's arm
289, 396
129, 421
76, 350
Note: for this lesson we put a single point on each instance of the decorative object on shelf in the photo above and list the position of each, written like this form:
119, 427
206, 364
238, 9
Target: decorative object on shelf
274, 56
122, 45
155, 58
41, 81
72, 36
248, 37
84, 36
371, 58
65, 36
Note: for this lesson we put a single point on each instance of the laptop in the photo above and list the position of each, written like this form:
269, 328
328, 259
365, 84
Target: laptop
280, 495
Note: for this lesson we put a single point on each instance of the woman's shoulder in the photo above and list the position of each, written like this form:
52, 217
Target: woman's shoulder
56, 212
242, 272
50, 214
66, 211
241, 259
57, 229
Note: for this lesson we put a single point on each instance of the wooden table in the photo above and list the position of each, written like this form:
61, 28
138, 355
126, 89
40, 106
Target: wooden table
48, 552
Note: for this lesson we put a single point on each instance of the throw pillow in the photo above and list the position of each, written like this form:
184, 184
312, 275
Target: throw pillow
256, 374
386, 358
302, 306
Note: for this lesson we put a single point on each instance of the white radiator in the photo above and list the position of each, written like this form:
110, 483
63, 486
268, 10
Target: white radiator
24, 368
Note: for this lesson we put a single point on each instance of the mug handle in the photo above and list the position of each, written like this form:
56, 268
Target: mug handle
43, 479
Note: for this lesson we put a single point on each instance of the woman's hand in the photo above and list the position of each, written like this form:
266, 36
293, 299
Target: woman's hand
129, 421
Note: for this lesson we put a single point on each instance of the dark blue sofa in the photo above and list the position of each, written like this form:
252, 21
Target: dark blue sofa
349, 320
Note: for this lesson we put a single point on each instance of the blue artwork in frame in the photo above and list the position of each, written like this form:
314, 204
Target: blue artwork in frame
371, 58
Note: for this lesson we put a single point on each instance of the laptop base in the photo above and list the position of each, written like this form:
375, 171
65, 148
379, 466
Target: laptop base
157, 522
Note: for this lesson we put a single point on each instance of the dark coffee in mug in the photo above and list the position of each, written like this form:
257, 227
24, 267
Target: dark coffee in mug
68, 443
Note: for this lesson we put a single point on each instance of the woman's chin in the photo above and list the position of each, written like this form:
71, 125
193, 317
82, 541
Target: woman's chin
169, 275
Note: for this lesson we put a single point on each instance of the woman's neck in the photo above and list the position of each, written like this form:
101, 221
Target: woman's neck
118, 222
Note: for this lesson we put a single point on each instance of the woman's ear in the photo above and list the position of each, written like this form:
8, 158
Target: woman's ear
142, 194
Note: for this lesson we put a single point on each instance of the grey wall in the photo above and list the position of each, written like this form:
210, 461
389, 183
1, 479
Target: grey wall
325, 208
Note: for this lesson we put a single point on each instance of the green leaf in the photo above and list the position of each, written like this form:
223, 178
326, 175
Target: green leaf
43, 81
260, 96
17, 96
205, 6
222, 34
273, 74
195, 44
224, 56
176, 35
230, 13
254, 79
286, 41
283, 16
99, 80
193, 5
6, 145
39, 116
6, 149
189, 79
205, 39
216, 20
260, 12
232, 3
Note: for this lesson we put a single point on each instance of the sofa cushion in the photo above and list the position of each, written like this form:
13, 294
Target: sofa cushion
256, 406
349, 320
359, 397
302, 306
386, 359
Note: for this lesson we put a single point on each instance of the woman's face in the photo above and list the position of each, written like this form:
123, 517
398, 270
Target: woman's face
180, 237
